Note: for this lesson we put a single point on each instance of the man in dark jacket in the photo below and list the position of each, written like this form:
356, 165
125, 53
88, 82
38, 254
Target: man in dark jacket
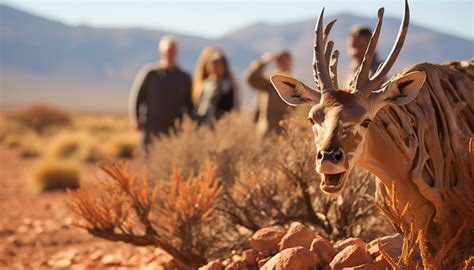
161, 94
270, 107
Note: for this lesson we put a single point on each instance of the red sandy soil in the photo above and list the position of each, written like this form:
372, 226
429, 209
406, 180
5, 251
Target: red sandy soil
36, 230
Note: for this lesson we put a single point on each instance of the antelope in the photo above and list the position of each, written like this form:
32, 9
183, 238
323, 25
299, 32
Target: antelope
412, 130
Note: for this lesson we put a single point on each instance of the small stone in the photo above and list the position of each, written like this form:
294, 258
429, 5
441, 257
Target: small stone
352, 241
27, 221
297, 235
367, 266
110, 260
263, 261
78, 267
250, 257
391, 244
96, 255
61, 263
238, 265
152, 266
381, 263
323, 248
213, 265
39, 230
293, 258
350, 256
23, 229
267, 239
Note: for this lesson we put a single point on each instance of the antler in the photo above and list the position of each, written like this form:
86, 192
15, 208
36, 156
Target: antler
362, 81
322, 57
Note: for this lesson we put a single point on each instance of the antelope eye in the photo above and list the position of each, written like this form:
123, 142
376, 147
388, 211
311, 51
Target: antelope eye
366, 123
311, 121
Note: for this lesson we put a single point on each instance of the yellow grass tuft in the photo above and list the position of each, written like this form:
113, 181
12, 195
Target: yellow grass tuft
76, 146
30, 145
50, 174
122, 145
12, 140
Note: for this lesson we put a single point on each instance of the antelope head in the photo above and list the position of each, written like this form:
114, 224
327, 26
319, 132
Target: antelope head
340, 118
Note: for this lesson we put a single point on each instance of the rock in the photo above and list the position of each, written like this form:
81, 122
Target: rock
350, 256
110, 260
267, 239
213, 265
238, 265
170, 263
297, 235
250, 257
323, 248
392, 244
263, 261
367, 266
61, 263
226, 261
96, 255
381, 263
340, 245
297, 258
152, 266
77, 267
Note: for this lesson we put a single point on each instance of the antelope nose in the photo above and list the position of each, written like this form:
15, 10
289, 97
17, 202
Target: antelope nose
335, 156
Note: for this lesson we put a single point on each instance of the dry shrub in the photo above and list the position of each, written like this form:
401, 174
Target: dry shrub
76, 146
416, 252
41, 116
278, 185
50, 174
265, 182
177, 215
122, 145
272, 180
231, 139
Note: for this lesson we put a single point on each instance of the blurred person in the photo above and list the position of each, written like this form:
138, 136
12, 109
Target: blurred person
161, 93
214, 89
270, 107
357, 43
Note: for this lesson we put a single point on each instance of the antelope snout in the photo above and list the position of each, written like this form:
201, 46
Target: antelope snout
330, 161
334, 156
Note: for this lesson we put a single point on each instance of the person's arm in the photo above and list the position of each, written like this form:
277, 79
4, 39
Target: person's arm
137, 99
256, 78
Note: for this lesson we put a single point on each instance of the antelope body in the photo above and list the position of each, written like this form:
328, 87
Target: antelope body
412, 131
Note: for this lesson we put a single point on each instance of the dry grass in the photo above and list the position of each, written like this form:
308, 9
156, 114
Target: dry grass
41, 116
122, 145
52, 174
416, 252
177, 215
75, 146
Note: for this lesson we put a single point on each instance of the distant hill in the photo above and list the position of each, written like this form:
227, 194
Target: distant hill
86, 68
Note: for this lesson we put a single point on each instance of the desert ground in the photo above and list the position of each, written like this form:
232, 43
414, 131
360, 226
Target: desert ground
37, 231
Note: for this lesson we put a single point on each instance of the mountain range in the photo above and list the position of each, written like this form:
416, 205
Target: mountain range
91, 69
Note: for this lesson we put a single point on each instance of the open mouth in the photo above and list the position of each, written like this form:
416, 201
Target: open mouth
332, 183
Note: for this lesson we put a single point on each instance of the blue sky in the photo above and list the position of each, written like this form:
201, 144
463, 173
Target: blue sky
216, 18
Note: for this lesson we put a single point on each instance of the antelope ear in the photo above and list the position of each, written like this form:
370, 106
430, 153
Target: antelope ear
293, 91
401, 91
